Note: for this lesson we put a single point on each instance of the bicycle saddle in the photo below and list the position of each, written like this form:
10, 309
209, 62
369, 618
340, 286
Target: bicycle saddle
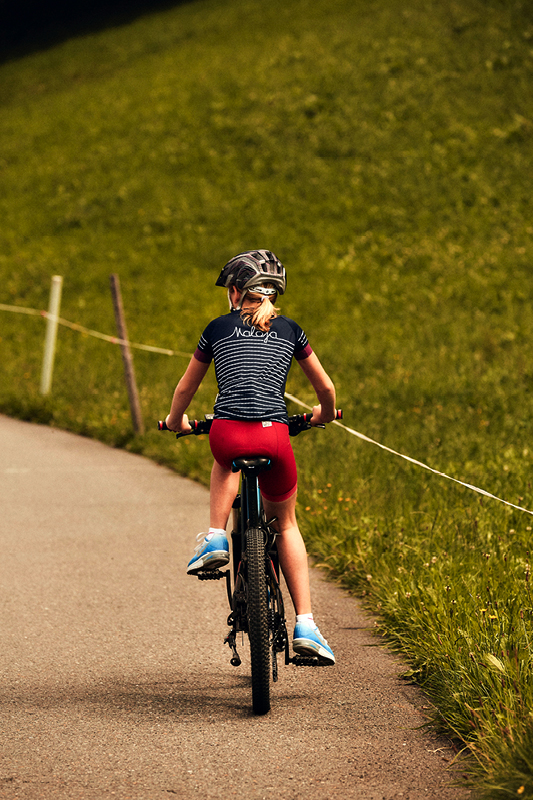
254, 463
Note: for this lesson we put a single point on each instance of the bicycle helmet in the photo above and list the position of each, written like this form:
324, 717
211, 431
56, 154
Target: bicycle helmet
249, 270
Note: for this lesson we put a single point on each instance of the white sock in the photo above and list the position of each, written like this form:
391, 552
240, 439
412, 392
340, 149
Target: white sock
217, 532
305, 618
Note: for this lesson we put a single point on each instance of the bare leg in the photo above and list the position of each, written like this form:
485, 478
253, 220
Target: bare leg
224, 488
292, 552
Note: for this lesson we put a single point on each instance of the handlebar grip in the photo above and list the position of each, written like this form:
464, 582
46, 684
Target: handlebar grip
339, 414
162, 425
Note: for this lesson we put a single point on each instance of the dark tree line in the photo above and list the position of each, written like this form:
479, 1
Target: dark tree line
27, 25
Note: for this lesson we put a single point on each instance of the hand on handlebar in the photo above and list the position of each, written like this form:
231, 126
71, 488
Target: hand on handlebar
318, 418
184, 427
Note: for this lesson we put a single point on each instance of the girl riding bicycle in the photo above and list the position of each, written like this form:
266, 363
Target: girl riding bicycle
252, 348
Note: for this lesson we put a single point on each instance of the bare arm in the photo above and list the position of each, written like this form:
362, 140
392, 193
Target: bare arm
324, 388
177, 419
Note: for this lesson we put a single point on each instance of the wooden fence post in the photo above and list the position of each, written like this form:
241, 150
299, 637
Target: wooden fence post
133, 394
51, 334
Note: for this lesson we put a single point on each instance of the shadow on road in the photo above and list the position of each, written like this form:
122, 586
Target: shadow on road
196, 697
193, 696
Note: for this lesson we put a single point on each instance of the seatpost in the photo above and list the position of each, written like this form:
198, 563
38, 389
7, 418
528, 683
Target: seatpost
250, 493
252, 497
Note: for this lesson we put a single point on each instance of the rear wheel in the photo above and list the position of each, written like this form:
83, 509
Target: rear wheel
258, 620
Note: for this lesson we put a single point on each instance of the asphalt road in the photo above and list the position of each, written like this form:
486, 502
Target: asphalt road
115, 682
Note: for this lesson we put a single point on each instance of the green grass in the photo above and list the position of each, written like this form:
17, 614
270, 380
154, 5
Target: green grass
384, 152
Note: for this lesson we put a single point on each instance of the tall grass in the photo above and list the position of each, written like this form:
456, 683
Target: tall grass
383, 151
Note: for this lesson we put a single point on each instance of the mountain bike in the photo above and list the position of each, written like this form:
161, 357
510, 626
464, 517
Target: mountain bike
253, 577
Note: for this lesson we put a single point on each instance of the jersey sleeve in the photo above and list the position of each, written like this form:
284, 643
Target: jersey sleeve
204, 351
302, 349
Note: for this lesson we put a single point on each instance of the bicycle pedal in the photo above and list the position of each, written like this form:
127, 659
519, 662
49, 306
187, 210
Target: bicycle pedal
210, 575
306, 661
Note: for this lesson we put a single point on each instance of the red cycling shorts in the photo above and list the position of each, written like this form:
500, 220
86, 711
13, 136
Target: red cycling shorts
231, 439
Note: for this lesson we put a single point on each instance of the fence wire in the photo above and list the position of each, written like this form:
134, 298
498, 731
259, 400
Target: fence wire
164, 351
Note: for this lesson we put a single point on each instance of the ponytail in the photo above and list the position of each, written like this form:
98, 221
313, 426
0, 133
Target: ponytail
261, 318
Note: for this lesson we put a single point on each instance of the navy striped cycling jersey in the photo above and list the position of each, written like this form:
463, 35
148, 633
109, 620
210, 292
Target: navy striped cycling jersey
251, 366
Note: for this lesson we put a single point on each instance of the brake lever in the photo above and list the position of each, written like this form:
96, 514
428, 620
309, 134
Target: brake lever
187, 433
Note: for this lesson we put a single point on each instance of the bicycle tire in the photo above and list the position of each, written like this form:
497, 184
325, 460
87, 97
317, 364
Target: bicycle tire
258, 630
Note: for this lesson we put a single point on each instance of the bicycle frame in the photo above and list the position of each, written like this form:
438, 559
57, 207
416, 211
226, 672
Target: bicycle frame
248, 511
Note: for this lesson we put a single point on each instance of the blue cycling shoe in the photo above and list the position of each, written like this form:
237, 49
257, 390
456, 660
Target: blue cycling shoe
211, 552
308, 641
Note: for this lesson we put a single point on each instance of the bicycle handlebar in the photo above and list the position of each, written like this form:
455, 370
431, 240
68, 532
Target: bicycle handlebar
297, 424
302, 422
198, 426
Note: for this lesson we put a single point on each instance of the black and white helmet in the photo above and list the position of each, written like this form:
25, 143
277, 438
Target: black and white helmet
249, 270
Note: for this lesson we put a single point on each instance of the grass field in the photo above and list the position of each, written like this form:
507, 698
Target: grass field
383, 150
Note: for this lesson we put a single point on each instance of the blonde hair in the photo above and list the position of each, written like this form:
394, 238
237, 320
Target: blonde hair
263, 315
